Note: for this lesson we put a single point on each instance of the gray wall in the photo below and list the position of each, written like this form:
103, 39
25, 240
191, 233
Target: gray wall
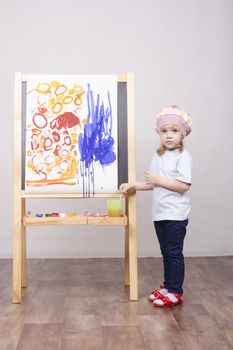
181, 52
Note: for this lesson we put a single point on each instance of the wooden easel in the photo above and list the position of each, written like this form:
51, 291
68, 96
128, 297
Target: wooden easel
21, 221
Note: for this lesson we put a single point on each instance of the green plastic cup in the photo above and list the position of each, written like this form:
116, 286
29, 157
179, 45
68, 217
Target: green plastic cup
114, 207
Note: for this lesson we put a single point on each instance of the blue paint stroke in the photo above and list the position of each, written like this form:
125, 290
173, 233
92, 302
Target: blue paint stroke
96, 143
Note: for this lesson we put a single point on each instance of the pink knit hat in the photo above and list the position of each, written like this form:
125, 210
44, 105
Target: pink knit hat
176, 116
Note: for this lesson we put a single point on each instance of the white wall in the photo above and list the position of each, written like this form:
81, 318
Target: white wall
181, 52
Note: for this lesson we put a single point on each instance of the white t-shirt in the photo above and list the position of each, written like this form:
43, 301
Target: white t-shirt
167, 204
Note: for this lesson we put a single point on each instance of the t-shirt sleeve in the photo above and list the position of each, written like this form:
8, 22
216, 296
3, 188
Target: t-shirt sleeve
184, 168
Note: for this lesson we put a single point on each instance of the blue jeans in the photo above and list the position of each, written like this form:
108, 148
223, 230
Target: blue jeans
171, 235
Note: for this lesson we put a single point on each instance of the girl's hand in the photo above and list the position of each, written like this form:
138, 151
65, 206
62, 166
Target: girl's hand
151, 178
126, 187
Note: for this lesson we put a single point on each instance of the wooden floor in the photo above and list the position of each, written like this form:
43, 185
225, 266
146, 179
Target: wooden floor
73, 304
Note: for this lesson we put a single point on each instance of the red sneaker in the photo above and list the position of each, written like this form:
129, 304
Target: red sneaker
156, 294
168, 300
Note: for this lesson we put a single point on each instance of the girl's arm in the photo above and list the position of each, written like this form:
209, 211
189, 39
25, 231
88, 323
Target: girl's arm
153, 179
143, 186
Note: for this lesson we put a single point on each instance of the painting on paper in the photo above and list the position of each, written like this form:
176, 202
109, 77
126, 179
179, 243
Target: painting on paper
71, 134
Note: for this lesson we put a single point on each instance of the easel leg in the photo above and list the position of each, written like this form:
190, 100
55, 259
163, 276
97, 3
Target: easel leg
17, 251
23, 248
17, 228
126, 245
133, 268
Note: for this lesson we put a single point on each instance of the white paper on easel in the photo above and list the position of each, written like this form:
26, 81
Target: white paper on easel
71, 134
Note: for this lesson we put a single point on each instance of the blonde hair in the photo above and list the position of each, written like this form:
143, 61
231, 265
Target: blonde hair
162, 149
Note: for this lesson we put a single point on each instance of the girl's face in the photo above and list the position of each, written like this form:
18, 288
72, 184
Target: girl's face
170, 136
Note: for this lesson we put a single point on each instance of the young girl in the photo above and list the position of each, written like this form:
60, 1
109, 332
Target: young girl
169, 178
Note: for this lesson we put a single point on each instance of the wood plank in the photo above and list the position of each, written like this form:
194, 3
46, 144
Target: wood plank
121, 78
123, 337
106, 220
126, 245
23, 247
70, 195
40, 337
133, 268
206, 340
131, 129
133, 273
44, 221
17, 239
76, 220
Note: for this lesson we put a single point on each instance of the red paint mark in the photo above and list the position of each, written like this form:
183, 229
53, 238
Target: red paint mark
42, 109
34, 142
47, 144
36, 131
56, 136
67, 141
57, 149
42, 174
65, 120
39, 120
